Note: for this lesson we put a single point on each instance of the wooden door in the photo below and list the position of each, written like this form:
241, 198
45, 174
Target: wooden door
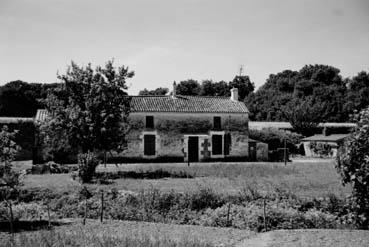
193, 149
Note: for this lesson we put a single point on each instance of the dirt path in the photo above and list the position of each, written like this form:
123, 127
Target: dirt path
309, 238
261, 240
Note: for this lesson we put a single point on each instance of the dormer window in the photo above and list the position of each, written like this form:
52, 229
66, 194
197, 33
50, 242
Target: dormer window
217, 123
149, 122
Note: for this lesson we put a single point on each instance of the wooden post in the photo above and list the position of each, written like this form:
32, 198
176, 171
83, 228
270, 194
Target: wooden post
105, 159
48, 215
85, 216
285, 152
228, 212
102, 206
264, 215
11, 217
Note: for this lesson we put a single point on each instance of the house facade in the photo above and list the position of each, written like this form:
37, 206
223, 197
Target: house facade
187, 128
177, 128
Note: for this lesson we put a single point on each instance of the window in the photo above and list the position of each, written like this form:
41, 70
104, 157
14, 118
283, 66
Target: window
149, 144
150, 122
217, 144
217, 123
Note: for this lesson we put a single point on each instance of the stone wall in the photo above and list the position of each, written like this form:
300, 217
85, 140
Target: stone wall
174, 142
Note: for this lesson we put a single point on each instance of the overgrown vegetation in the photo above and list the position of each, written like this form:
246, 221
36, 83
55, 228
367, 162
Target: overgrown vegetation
353, 165
275, 138
88, 112
245, 210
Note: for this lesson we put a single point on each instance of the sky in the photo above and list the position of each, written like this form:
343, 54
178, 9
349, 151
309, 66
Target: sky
173, 40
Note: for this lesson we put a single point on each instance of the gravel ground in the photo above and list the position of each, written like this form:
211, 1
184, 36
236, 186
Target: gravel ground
309, 238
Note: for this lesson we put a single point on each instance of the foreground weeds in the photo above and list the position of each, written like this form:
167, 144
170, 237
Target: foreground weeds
250, 209
91, 238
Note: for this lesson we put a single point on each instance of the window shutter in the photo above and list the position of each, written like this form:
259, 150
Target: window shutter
227, 143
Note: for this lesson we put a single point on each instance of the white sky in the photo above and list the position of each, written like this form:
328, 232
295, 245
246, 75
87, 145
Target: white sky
167, 40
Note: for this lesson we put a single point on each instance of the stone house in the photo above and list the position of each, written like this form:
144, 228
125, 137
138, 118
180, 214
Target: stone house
187, 128
181, 128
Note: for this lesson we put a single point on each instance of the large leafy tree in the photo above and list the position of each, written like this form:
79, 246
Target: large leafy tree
353, 165
210, 88
358, 91
158, 91
89, 111
320, 85
188, 87
244, 85
22, 99
303, 115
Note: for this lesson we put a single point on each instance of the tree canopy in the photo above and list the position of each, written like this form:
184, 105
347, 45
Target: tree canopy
22, 99
158, 91
90, 108
353, 165
333, 98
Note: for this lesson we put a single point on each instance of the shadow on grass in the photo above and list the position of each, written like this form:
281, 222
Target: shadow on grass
22, 225
156, 174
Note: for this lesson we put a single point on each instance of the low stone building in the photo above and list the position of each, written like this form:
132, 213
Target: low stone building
323, 145
180, 128
187, 128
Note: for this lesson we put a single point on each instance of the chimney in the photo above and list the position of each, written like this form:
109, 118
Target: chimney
234, 94
174, 94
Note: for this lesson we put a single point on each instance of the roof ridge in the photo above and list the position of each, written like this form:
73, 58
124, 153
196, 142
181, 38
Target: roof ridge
180, 95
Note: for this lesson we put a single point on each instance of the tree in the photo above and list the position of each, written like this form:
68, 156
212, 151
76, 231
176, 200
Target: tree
188, 87
158, 91
353, 166
9, 179
303, 116
22, 99
357, 93
90, 109
321, 85
244, 85
210, 88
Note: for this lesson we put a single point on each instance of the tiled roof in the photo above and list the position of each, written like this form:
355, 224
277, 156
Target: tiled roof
41, 115
286, 125
195, 104
8, 120
264, 125
328, 138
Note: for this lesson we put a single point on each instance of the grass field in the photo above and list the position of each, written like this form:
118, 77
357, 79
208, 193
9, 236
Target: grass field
123, 233
302, 178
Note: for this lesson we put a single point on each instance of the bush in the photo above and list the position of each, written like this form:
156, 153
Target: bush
275, 138
87, 164
353, 165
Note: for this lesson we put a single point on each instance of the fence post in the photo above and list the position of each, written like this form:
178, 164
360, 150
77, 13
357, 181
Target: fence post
11, 219
285, 152
228, 212
48, 215
102, 206
85, 216
264, 215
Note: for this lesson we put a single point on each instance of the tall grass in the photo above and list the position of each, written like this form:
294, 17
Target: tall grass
87, 237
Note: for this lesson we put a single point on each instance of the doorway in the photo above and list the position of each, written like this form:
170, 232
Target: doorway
193, 149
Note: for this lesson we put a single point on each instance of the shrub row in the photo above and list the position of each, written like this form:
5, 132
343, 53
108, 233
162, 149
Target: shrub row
202, 207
